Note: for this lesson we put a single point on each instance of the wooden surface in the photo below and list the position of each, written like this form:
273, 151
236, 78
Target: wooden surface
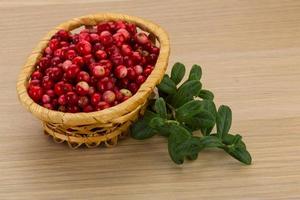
250, 54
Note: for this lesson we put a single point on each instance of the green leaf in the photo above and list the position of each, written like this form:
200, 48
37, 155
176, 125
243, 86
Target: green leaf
160, 108
210, 107
211, 142
188, 110
181, 144
186, 92
206, 94
140, 130
195, 73
241, 154
177, 72
224, 118
167, 85
229, 139
203, 119
157, 122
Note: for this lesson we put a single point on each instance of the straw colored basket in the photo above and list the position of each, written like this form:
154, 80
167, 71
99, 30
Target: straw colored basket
105, 126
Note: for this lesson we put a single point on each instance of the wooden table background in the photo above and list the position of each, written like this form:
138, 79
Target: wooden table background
250, 54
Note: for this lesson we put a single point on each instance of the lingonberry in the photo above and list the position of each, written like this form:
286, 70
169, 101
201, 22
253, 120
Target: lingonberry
131, 28
59, 53
91, 90
126, 50
35, 92
119, 95
72, 98
84, 36
105, 84
63, 44
101, 54
136, 57
66, 64
98, 71
125, 33
55, 61
106, 63
47, 83
78, 60
46, 98
59, 88
51, 93
118, 39
151, 58
88, 108
133, 87
154, 50
116, 59
131, 74
48, 51
34, 83
123, 83
72, 71
106, 38
120, 24
121, 71
102, 105
44, 63
68, 87
56, 73
71, 54
147, 70
94, 38
113, 49
126, 92
73, 109
36, 75
62, 100
98, 46
84, 47
82, 88
63, 35
109, 96
48, 106
128, 61
140, 79
54, 44
54, 103
103, 27
138, 69
88, 59
83, 101
141, 38
83, 76
95, 98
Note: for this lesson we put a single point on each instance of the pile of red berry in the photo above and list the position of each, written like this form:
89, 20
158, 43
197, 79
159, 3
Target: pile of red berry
99, 67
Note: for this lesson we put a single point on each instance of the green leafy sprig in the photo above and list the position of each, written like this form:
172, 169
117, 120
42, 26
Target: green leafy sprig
181, 110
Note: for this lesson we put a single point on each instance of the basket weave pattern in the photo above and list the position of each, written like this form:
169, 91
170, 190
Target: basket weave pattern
100, 127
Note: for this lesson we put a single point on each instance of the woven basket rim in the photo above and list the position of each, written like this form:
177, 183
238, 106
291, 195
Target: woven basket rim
106, 115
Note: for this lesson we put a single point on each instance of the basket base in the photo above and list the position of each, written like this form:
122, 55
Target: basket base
76, 140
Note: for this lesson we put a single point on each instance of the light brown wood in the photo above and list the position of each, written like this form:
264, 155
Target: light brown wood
250, 54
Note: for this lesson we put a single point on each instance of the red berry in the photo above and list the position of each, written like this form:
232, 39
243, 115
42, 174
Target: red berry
83, 76
118, 39
51, 93
48, 51
35, 92
98, 46
53, 44
71, 54
120, 24
140, 79
46, 98
34, 83
106, 63
56, 73
102, 105
113, 49
68, 87
126, 93
88, 108
82, 88
131, 28
84, 47
125, 33
73, 109
59, 53
100, 54
106, 38
119, 95
141, 38
98, 71
94, 37
36, 75
131, 74
126, 50
72, 71
138, 69
55, 61
121, 71
44, 63
147, 71
123, 82
133, 87
78, 60
103, 27
109, 96
63, 35
47, 83
116, 59
84, 36
48, 106
95, 98
63, 44
91, 90
128, 61
72, 98
66, 64
154, 50
88, 59
152, 58
136, 57
62, 100
83, 101
59, 88
105, 84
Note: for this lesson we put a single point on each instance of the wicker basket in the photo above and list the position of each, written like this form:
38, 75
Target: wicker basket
105, 126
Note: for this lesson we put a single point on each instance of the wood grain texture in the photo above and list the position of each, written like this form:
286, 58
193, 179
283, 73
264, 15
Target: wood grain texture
250, 54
